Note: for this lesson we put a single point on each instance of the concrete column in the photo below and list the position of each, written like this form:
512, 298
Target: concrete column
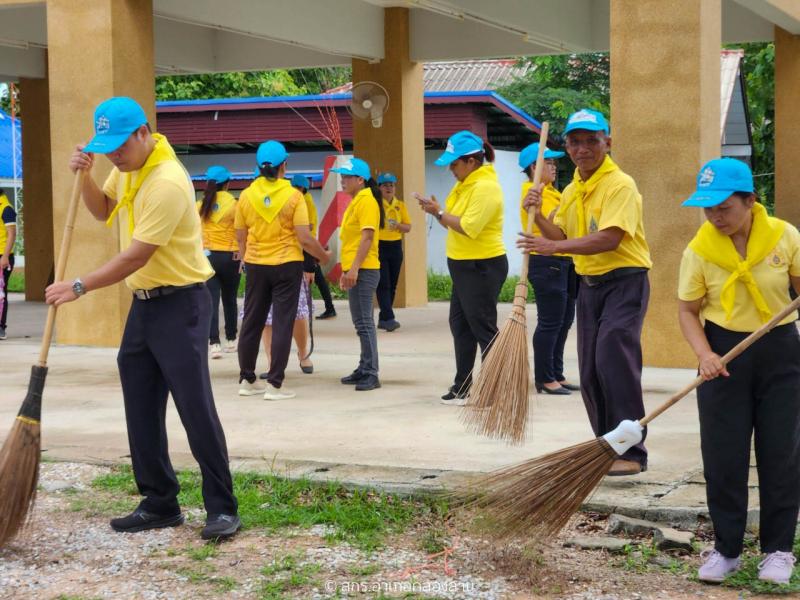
115, 37
38, 186
398, 145
665, 109
787, 125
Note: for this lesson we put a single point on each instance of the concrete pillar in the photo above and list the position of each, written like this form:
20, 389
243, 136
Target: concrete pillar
38, 185
118, 36
398, 145
787, 125
665, 122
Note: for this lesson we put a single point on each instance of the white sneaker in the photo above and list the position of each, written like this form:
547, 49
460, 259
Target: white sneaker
230, 346
281, 393
250, 389
455, 401
216, 351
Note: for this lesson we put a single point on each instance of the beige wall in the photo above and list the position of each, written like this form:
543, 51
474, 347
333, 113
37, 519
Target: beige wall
787, 125
38, 186
398, 145
87, 64
665, 115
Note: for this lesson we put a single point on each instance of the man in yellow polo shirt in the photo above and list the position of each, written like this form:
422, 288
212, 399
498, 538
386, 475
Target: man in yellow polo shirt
599, 222
164, 347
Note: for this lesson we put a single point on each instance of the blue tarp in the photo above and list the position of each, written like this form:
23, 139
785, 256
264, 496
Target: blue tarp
6, 157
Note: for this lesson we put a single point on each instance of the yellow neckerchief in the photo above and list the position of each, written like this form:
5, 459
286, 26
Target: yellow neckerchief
268, 197
718, 248
583, 189
486, 172
393, 205
222, 204
162, 152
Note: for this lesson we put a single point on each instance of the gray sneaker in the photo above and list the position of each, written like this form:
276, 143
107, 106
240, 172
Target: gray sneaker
777, 567
716, 566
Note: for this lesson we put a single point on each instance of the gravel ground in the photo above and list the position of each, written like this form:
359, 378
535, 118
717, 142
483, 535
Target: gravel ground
69, 551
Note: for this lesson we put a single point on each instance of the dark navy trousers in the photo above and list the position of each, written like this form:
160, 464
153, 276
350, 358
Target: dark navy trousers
390, 254
164, 351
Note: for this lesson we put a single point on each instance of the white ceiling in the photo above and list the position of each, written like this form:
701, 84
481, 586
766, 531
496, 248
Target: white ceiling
213, 36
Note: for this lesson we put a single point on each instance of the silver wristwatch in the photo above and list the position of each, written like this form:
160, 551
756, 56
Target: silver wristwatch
78, 288
439, 215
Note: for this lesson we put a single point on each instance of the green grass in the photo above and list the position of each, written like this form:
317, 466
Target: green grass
203, 552
362, 518
284, 574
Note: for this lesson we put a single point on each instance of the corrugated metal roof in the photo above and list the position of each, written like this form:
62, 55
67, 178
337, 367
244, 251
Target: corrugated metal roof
463, 75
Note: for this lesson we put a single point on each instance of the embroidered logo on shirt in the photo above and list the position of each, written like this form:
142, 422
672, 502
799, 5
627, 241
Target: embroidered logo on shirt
215, 208
102, 125
706, 177
592, 225
775, 260
267, 201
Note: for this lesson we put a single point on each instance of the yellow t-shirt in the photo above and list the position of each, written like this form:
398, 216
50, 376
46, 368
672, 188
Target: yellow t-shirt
478, 201
397, 210
551, 198
275, 242
164, 214
614, 202
220, 236
4, 205
361, 213
313, 219
702, 279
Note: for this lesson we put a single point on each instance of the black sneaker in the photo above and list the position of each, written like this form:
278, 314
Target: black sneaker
367, 383
453, 394
141, 520
220, 527
2, 333
392, 325
328, 314
263, 375
383, 325
353, 378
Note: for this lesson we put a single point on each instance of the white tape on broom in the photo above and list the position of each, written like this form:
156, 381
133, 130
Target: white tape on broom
625, 436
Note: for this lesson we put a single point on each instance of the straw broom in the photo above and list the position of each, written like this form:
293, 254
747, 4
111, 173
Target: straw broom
21, 451
536, 498
498, 400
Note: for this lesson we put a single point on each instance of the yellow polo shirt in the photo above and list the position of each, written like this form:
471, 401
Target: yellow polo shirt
312, 213
164, 215
362, 213
478, 201
614, 202
702, 279
220, 236
275, 242
551, 198
397, 210
7, 218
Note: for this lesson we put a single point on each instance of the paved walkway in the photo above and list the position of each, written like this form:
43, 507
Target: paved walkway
399, 438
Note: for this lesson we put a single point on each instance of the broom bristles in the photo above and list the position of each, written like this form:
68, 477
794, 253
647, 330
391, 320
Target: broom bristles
536, 498
498, 400
19, 475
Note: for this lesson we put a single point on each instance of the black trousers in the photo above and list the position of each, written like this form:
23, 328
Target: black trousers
324, 288
6, 277
762, 398
473, 310
224, 285
555, 285
265, 285
610, 318
390, 254
164, 351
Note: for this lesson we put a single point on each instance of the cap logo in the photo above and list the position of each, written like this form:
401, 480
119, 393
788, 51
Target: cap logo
450, 148
706, 177
102, 125
583, 116
347, 165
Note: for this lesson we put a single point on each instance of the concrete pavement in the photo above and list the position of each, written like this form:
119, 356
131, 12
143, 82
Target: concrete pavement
399, 438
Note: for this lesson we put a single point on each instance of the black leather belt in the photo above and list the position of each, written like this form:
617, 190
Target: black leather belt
595, 280
164, 290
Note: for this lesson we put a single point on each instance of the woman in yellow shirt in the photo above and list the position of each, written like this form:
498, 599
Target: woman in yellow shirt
554, 282
217, 211
272, 230
390, 249
735, 274
476, 256
360, 265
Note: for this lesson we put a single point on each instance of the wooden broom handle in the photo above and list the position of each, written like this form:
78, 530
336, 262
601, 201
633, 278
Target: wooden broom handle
537, 178
61, 264
734, 352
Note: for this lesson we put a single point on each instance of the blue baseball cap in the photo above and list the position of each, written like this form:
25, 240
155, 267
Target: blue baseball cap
272, 153
301, 181
354, 166
529, 154
718, 180
588, 119
114, 121
218, 173
460, 144
386, 178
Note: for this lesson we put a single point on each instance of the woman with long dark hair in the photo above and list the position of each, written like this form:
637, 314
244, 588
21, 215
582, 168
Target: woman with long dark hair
360, 265
217, 211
